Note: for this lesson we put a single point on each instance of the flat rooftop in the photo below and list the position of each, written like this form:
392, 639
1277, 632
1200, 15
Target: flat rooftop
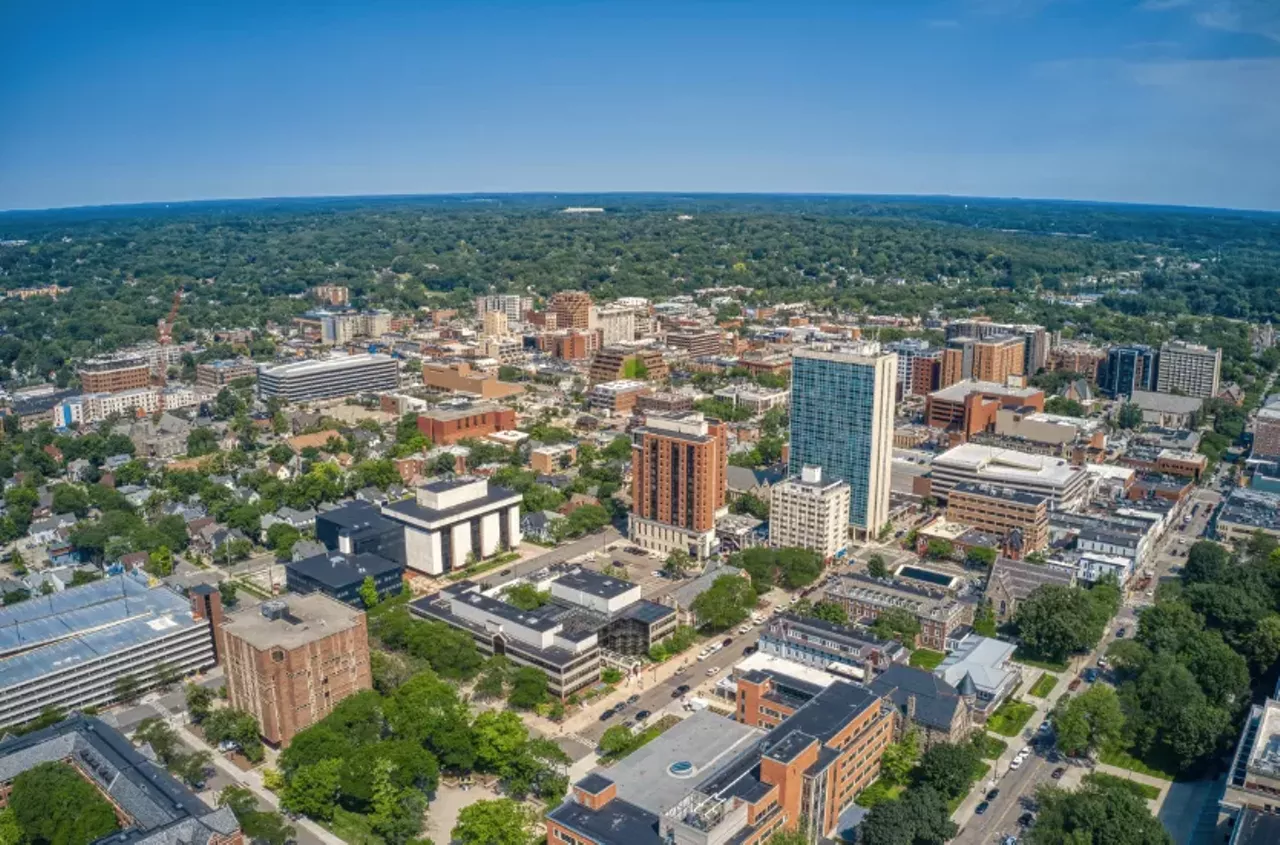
958, 391
996, 491
308, 618
337, 570
459, 412
317, 366
997, 463
589, 581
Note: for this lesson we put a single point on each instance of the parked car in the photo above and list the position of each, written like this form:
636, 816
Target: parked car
607, 715
744, 629
504, 573
1026, 819
1120, 633
1090, 675
657, 573
642, 715
1044, 728
1058, 773
1074, 685
751, 649
991, 796
981, 808
712, 670
728, 641
1016, 763
634, 550
228, 745
633, 699
680, 690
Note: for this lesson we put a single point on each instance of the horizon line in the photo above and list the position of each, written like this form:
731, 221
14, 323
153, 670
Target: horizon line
15, 212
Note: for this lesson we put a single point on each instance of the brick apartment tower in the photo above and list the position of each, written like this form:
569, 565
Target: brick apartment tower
290, 663
679, 467
572, 309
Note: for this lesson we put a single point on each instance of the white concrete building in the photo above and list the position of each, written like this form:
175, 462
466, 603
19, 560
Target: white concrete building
757, 400
326, 378
450, 521
616, 325
1063, 483
128, 403
808, 513
1191, 368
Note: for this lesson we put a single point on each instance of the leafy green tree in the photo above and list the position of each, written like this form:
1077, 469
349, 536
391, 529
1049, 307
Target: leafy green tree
895, 623
1206, 561
199, 701
369, 592
10, 833
312, 791
525, 596
900, 757
499, 735
1095, 813
52, 803
980, 557
528, 688
1090, 721
228, 589
678, 563
160, 562
1055, 621
281, 537
876, 567
751, 505
947, 767
201, 441
498, 822
919, 817
68, 498
727, 602
984, 620
280, 454
617, 740
938, 549
1129, 416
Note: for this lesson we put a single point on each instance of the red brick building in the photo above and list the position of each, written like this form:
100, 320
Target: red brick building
449, 425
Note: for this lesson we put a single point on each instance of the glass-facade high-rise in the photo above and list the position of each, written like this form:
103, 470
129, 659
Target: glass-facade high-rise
842, 420
1128, 368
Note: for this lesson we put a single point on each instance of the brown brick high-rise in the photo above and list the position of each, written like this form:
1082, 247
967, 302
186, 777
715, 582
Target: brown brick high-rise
572, 309
290, 663
679, 472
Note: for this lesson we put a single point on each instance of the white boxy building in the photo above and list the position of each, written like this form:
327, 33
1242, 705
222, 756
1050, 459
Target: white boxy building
451, 519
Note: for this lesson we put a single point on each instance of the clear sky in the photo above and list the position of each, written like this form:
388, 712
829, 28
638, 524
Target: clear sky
1164, 101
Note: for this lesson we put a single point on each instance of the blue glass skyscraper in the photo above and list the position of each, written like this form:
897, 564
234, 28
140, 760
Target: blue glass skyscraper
842, 420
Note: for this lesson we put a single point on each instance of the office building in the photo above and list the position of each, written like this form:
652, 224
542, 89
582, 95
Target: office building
151, 806
914, 355
215, 375
1253, 781
940, 614
1035, 339
616, 325
512, 305
695, 342
1128, 369
1019, 518
799, 755
1246, 511
328, 378
114, 374
459, 377
841, 649
1266, 433
618, 397
757, 400
679, 471
1190, 369
612, 363
358, 528
809, 513
289, 663
452, 522
341, 577
463, 420
67, 650
842, 420
1062, 483
588, 615
494, 324
572, 309
970, 406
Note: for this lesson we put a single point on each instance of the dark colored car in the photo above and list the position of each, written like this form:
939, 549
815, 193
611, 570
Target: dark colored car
642, 715
504, 573
1058, 773
981, 808
991, 796
633, 550
1120, 633
728, 641
1026, 819
607, 715
751, 649
680, 690
1091, 674
633, 699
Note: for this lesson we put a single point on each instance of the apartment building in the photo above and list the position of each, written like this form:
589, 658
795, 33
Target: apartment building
971, 406
459, 377
612, 363
707, 781
452, 522
114, 374
618, 397
332, 294
679, 470
512, 305
329, 378
1074, 357
142, 401
550, 459
214, 375
695, 342
615, 324
290, 663
68, 649
1062, 483
494, 324
1189, 368
842, 399
588, 614
461, 420
939, 613
1019, 518
806, 512
842, 649
1128, 369
1035, 339
1266, 432
572, 309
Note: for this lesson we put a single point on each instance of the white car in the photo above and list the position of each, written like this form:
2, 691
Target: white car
712, 670
704, 654
744, 629
1016, 763
1025, 752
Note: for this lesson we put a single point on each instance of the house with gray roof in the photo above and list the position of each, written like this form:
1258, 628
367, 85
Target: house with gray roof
1011, 581
925, 702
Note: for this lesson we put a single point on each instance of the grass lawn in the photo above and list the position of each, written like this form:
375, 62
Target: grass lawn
878, 792
1125, 760
1044, 685
1028, 660
1010, 718
990, 747
483, 566
1142, 790
927, 659
352, 827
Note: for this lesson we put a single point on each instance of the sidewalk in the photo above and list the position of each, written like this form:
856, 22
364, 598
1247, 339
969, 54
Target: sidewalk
252, 780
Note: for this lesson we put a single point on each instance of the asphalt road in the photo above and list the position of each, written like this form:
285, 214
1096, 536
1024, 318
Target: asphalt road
589, 543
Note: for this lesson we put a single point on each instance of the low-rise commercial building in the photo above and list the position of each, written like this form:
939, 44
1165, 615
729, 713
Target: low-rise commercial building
625, 361
757, 400
972, 406
1253, 782
329, 378
289, 663
214, 375
67, 650
618, 397
1246, 511
1266, 433
452, 522
695, 342
842, 649
1062, 483
588, 614
341, 576
1020, 518
459, 377
457, 421
940, 614
809, 513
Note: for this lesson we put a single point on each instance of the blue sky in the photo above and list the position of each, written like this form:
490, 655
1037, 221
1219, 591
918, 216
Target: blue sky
1165, 101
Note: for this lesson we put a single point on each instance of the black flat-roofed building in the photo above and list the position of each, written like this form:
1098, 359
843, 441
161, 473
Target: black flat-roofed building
341, 576
360, 528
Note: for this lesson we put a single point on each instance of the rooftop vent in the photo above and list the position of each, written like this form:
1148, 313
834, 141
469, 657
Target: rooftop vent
275, 609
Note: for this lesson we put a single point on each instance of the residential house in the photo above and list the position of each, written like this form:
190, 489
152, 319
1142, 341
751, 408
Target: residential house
537, 525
